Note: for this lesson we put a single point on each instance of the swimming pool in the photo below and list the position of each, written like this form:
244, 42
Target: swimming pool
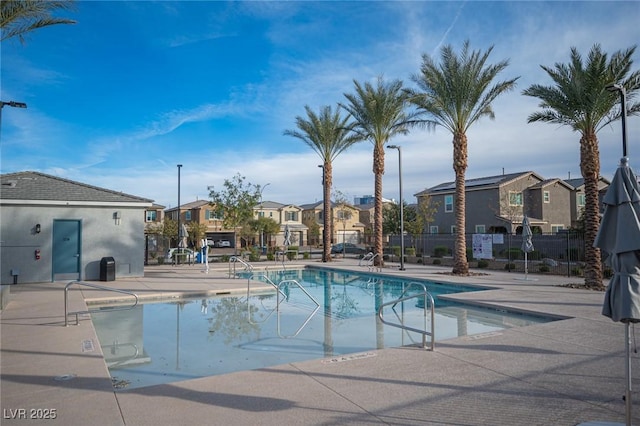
176, 340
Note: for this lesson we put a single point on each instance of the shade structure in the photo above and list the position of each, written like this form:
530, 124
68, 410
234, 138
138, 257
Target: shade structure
527, 244
619, 238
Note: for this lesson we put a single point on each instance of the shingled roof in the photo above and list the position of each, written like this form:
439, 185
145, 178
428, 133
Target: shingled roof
36, 186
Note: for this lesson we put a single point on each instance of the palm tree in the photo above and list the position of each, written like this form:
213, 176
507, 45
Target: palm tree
18, 17
579, 99
457, 93
328, 134
380, 113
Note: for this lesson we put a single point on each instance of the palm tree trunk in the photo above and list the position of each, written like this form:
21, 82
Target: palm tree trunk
327, 214
460, 264
378, 171
590, 168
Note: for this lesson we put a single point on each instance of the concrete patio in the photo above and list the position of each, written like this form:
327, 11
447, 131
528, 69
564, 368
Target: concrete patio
559, 373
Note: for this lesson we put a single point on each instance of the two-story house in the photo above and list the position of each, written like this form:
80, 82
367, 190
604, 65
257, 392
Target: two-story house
497, 204
345, 220
203, 213
289, 217
578, 197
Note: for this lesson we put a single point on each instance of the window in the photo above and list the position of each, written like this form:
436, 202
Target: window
515, 198
546, 197
581, 202
433, 229
453, 229
210, 215
151, 216
556, 228
344, 215
261, 214
291, 216
448, 203
187, 215
480, 229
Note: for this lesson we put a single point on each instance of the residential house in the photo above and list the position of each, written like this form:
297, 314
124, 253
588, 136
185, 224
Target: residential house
153, 220
578, 197
289, 217
366, 217
497, 204
58, 229
345, 221
202, 213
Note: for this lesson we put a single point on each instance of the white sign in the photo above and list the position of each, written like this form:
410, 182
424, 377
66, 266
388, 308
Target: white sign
482, 246
498, 239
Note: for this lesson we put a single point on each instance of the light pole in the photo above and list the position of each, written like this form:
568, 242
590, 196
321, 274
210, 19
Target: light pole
262, 230
325, 221
13, 104
179, 230
623, 106
401, 206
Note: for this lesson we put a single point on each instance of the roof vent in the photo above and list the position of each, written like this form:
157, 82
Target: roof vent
9, 184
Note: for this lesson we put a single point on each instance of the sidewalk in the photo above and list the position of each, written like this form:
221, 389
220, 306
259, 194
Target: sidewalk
559, 373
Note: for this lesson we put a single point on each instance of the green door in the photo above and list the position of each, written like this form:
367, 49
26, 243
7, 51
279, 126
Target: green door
66, 247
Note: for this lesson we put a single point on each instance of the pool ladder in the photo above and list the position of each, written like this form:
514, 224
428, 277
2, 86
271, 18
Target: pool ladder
281, 290
426, 298
99, 287
370, 258
246, 266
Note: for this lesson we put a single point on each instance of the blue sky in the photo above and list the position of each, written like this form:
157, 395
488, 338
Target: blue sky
137, 87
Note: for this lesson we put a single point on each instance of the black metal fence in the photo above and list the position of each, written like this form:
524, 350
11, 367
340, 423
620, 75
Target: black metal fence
558, 253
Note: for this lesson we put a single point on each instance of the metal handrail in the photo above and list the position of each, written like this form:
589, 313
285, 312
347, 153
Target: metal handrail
427, 297
99, 287
235, 259
370, 258
278, 307
279, 292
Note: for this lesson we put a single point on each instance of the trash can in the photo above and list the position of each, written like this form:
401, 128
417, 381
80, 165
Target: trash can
199, 257
107, 269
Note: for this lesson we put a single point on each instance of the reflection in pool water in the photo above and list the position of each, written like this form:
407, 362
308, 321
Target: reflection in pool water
178, 340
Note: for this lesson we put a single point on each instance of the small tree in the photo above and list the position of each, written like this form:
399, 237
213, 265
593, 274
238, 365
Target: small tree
235, 202
197, 232
170, 229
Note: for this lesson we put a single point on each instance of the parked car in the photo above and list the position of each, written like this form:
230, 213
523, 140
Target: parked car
347, 248
223, 243
186, 254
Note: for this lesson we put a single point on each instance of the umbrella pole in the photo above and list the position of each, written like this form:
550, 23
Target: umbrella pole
526, 267
627, 396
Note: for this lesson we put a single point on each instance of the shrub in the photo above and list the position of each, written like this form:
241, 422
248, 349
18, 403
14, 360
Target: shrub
534, 255
514, 253
510, 266
544, 268
254, 255
482, 263
437, 261
306, 255
419, 260
607, 273
291, 254
271, 256
576, 272
225, 257
440, 251
410, 251
469, 254
395, 250
160, 260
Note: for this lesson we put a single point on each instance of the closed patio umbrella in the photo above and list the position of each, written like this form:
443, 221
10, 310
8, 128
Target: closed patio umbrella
527, 244
287, 236
619, 238
182, 238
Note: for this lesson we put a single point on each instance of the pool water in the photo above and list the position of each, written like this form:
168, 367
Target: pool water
183, 339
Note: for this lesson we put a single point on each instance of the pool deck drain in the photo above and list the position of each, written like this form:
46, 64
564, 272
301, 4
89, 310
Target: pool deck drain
559, 373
